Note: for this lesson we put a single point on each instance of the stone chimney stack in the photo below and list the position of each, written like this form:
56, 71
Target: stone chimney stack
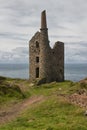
43, 20
44, 29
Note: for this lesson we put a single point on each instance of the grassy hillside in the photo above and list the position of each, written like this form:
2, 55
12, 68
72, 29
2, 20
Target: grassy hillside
9, 90
52, 112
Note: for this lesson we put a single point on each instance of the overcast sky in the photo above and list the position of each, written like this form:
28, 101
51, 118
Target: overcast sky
20, 19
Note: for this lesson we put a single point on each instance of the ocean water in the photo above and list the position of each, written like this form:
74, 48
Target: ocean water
74, 72
15, 70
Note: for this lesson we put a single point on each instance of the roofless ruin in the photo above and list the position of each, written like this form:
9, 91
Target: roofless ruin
46, 63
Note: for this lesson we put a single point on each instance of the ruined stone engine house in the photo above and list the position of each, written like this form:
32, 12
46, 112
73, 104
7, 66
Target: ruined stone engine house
46, 63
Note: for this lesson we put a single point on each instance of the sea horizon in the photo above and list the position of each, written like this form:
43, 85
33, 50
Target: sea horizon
73, 71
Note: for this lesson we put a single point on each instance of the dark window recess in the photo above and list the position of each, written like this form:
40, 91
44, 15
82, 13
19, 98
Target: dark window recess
37, 59
37, 44
37, 72
53, 52
61, 71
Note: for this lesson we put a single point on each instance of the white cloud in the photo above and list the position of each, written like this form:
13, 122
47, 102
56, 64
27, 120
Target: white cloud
20, 19
76, 52
17, 55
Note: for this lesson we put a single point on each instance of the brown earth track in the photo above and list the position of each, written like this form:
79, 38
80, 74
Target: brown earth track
80, 100
11, 113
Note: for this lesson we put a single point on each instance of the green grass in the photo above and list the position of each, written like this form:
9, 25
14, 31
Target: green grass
9, 91
54, 113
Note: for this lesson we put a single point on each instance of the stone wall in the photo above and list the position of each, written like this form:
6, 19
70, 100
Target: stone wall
46, 64
34, 51
51, 61
58, 61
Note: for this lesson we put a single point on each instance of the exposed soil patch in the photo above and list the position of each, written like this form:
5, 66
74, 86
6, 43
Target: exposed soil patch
16, 109
77, 99
80, 97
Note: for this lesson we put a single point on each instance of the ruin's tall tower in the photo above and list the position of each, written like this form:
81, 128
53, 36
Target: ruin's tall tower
44, 50
44, 29
46, 64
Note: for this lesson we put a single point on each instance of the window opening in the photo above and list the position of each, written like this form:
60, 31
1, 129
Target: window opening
37, 72
37, 59
37, 44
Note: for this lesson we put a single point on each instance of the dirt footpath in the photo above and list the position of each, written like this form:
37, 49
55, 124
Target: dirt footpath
15, 110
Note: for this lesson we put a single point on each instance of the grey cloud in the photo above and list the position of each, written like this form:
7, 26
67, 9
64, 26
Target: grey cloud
80, 44
16, 36
62, 11
64, 36
67, 11
76, 52
21, 50
66, 21
17, 55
